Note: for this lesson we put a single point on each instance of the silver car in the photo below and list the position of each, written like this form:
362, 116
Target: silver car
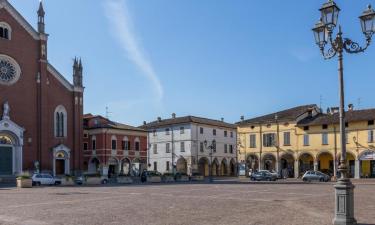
315, 176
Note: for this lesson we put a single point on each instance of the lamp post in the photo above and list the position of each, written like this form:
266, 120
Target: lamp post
323, 32
212, 148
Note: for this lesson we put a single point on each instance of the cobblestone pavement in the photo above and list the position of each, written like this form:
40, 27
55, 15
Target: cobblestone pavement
178, 204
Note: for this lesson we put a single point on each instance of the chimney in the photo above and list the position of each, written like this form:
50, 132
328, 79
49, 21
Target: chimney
222, 119
144, 122
351, 107
174, 115
334, 110
242, 118
159, 119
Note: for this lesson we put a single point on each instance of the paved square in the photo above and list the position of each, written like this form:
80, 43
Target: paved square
177, 204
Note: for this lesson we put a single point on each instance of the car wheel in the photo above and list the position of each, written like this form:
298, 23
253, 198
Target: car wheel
268, 179
304, 180
253, 179
321, 180
104, 181
38, 184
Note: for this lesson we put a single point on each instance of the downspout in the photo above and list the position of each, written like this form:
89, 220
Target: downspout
261, 146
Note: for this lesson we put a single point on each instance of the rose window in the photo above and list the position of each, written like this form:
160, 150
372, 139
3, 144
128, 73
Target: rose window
9, 70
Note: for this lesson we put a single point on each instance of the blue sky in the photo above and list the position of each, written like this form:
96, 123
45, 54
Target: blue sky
211, 58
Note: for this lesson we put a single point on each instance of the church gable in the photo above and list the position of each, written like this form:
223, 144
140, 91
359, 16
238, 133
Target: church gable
5, 5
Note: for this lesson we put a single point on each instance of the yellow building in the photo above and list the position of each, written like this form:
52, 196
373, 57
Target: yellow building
304, 138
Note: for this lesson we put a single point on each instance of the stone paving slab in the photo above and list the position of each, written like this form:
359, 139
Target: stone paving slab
181, 204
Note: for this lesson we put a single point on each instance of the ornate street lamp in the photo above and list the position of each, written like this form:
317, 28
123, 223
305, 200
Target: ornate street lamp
344, 200
212, 148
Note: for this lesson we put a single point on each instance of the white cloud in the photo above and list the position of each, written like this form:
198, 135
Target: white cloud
122, 29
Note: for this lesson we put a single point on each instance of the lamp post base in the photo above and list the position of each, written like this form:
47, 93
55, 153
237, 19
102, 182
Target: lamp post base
344, 203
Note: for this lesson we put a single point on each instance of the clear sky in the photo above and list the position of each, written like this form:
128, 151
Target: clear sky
211, 58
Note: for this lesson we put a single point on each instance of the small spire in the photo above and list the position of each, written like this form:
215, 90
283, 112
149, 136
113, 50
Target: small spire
41, 12
80, 63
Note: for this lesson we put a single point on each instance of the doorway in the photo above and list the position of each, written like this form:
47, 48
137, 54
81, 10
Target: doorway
6, 161
60, 167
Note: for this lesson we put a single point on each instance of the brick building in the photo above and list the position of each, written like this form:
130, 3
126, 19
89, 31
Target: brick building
112, 148
41, 123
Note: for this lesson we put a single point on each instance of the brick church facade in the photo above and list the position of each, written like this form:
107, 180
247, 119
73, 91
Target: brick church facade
41, 118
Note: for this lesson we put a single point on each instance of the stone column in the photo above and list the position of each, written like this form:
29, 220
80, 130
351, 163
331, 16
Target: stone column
357, 169
315, 165
296, 169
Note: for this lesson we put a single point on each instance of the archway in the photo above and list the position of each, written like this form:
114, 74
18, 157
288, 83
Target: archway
326, 163
215, 168
269, 162
305, 163
203, 166
181, 165
224, 167
6, 155
232, 167
125, 168
61, 160
367, 164
287, 165
252, 162
11, 143
113, 167
93, 166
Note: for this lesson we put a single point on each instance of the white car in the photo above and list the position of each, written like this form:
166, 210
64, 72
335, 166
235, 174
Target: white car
45, 179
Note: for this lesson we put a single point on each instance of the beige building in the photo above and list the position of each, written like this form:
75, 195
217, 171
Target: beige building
304, 138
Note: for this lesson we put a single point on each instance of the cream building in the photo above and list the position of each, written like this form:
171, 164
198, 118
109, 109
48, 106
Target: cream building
304, 138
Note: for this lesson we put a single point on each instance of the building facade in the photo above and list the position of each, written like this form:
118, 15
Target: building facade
112, 148
178, 144
304, 138
41, 123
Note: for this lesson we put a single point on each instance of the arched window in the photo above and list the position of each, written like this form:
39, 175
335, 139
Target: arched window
5, 31
137, 144
60, 121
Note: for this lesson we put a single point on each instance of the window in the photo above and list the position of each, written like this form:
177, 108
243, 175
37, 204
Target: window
167, 148
201, 130
269, 140
60, 121
214, 132
201, 147
85, 135
286, 138
225, 133
346, 124
182, 146
123, 143
370, 136
325, 139
231, 149
225, 148
93, 144
85, 146
114, 144
306, 140
155, 149
306, 128
167, 131
253, 141
370, 122
324, 126
182, 130
155, 166
137, 145
168, 166
5, 31
231, 134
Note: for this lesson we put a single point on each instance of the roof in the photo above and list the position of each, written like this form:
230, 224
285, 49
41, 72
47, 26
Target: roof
350, 116
187, 119
106, 123
286, 115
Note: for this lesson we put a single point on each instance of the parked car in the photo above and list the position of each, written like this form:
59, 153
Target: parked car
315, 176
79, 180
45, 179
179, 175
274, 173
263, 175
197, 177
146, 174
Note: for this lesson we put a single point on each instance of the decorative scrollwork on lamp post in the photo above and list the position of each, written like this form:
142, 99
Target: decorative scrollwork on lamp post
323, 32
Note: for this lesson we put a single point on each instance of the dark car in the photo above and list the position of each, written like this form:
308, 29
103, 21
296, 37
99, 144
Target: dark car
263, 175
146, 174
315, 176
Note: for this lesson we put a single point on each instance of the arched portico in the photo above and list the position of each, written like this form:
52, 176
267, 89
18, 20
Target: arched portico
305, 163
252, 162
203, 166
269, 162
224, 167
325, 162
232, 167
367, 164
352, 163
215, 168
113, 167
125, 166
93, 166
181, 165
287, 165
